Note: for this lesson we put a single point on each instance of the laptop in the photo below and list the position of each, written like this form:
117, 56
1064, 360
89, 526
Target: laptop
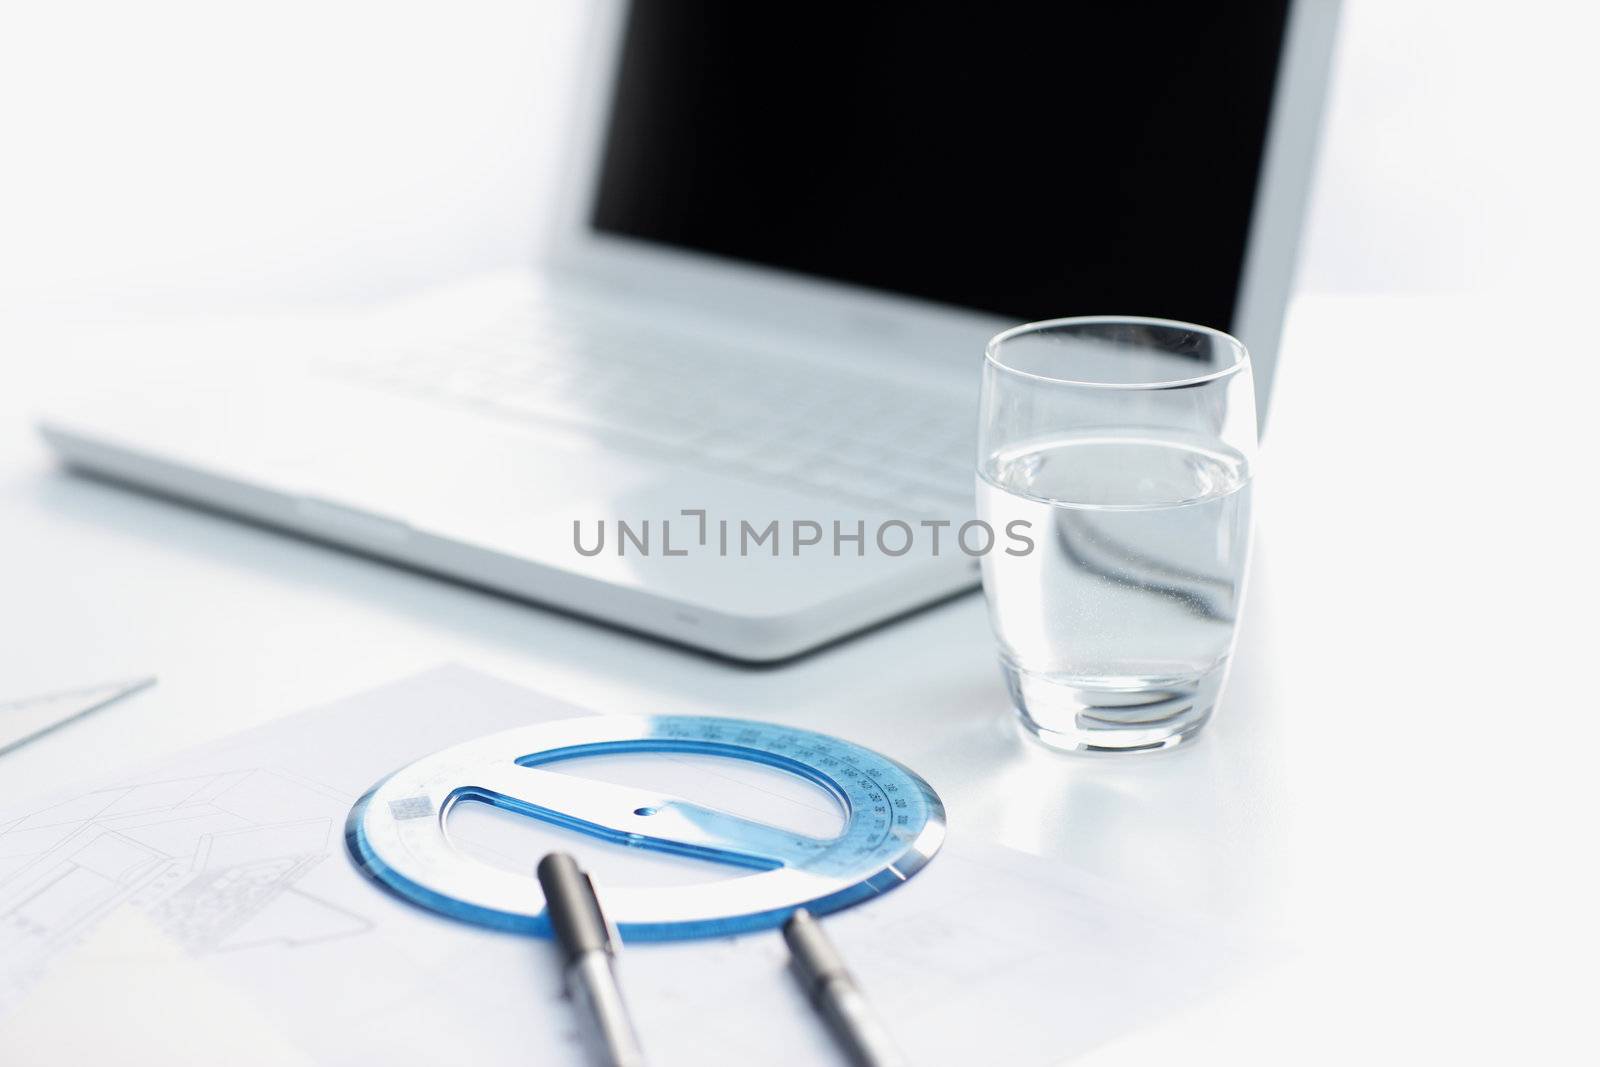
734, 404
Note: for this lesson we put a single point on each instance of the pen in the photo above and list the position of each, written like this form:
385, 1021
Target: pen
822, 972
588, 949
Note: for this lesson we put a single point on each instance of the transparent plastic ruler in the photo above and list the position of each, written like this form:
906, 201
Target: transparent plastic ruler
893, 823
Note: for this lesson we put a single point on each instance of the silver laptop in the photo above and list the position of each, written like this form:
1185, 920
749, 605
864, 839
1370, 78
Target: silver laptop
734, 405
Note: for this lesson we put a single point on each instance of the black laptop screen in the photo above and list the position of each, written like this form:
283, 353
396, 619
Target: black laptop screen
1056, 159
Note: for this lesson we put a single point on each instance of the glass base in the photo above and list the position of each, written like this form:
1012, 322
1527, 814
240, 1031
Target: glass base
1140, 716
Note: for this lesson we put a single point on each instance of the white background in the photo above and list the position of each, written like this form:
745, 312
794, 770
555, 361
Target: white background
1401, 781
168, 156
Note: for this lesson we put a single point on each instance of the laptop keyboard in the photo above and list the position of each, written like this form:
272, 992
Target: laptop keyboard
847, 436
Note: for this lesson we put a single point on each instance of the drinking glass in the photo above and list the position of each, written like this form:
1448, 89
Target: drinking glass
1120, 449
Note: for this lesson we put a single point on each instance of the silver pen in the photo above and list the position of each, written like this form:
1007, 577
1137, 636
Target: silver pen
588, 948
822, 972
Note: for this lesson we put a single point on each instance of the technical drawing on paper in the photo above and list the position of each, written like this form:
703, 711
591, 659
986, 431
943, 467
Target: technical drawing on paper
212, 859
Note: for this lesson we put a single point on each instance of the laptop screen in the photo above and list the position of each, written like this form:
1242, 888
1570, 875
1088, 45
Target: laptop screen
1051, 160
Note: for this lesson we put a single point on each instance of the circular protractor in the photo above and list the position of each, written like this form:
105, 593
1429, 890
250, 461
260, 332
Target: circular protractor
893, 823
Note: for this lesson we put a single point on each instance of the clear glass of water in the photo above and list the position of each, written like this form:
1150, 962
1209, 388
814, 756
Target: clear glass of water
1123, 448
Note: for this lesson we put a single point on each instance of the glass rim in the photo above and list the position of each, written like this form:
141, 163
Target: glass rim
992, 349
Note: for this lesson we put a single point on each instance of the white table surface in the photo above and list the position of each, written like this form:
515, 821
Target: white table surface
1397, 787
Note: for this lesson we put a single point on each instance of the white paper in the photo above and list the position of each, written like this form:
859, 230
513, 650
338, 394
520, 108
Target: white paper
205, 908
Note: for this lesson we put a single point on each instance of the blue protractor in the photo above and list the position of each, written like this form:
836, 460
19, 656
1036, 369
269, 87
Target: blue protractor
893, 824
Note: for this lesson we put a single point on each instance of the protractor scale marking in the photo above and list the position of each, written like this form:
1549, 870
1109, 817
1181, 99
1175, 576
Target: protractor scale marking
893, 824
